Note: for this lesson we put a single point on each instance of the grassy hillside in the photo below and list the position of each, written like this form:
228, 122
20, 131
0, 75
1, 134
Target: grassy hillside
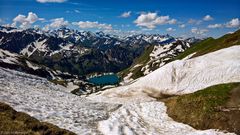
216, 107
13, 122
142, 60
200, 48
210, 45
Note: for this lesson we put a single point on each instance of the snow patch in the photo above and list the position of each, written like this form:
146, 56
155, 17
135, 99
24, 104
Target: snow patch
52, 103
7, 57
180, 77
189, 56
149, 118
32, 66
71, 86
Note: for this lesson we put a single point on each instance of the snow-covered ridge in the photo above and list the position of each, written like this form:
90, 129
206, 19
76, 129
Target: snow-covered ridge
180, 77
7, 57
51, 103
159, 56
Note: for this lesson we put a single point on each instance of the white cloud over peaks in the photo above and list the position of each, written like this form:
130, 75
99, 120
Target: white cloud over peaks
151, 20
173, 21
88, 24
199, 31
233, 23
51, 1
213, 26
126, 14
207, 18
58, 22
182, 26
26, 21
170, 29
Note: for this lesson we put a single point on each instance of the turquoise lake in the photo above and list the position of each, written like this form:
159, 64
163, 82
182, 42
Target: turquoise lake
104, 80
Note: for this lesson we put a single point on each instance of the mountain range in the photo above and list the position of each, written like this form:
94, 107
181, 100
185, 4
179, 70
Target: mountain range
83, 53
168, 85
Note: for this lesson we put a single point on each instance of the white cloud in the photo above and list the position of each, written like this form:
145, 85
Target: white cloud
51, 1
36, 27
88, 24
170, 29
26, 21
126, 14
213, 26
123, 33
151, 20
234, 23
173, 21
46, 28
193, 21
182, 26
199, 31
207, 18
58, 22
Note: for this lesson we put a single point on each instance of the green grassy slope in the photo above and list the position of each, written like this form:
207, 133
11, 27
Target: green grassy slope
143, 59
216, 107
206, 46
210, 45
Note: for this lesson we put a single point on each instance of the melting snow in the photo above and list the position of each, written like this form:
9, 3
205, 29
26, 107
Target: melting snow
180, 77
32, 66
71, 86
52, 103
149, 118
139, 113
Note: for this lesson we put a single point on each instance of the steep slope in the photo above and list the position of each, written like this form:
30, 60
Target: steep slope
209, 45
13, 122
180, 77
213, 107
51, 103
76, 52
153, 57
20, 63
160, 55
47, 102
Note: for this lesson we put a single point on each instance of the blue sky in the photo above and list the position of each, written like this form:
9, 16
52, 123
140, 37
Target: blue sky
175, 17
